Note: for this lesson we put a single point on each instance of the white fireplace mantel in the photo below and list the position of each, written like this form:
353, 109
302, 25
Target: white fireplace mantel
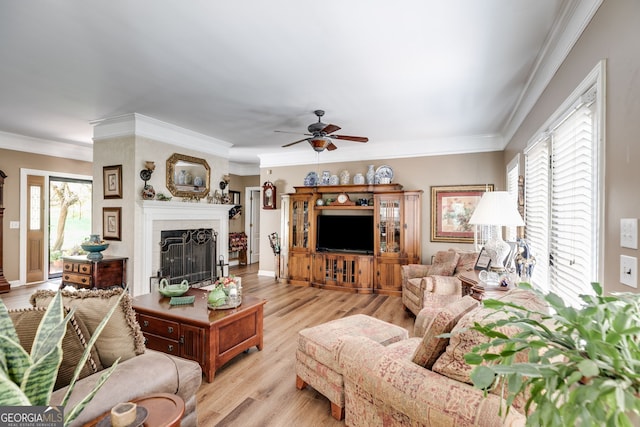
151, 211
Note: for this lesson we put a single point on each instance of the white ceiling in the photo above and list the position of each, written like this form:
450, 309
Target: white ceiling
416, 76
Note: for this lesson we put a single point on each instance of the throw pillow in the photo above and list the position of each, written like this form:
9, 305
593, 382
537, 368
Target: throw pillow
74, 343
444, 263
432, 346
432, 303
443, 285
121, 337
451, 363
467, 261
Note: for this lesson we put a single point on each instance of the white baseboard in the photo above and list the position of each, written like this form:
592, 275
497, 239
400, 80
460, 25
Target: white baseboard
268, 273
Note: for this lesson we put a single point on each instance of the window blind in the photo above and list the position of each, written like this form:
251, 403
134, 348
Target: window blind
573, 210
513, 170
536, 192
561, 199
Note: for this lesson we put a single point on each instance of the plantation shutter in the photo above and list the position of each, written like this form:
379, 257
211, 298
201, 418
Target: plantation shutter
537, 210
573, 205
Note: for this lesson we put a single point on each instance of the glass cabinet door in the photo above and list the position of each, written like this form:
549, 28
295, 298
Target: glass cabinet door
389, 224
300, 223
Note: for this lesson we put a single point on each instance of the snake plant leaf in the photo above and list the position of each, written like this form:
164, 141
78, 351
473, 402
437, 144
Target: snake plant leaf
46, 354
9, 336
75, 411
28, 379
92, 340
6, 325
40, 378
51, 329
11, 394
15, 360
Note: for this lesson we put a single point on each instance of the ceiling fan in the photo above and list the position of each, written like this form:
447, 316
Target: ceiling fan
319, 136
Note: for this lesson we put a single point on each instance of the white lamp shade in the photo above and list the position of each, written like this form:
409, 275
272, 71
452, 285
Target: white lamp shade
496, 208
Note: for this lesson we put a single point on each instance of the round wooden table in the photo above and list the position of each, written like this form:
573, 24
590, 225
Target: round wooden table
164, 410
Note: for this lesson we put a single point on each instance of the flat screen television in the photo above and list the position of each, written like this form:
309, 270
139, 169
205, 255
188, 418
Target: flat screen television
345, 233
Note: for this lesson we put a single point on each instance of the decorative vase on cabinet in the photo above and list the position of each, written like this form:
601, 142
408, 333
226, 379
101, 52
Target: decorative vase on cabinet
345, 177
371, 175
326, 176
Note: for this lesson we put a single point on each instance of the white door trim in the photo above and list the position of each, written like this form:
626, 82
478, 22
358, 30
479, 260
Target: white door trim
23, 214
248, 203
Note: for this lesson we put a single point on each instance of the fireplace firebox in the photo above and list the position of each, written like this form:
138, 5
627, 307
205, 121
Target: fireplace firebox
188, 255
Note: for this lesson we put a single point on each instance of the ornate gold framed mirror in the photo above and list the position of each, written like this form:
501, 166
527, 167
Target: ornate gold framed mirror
188, 176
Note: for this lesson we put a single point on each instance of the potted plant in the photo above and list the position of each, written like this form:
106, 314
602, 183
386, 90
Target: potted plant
28, 379
581, 364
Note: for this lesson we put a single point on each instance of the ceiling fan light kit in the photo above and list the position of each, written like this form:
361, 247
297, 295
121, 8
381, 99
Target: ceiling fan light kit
320, 135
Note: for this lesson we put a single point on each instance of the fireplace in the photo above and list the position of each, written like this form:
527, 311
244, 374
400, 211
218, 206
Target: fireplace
188, 255
156, 216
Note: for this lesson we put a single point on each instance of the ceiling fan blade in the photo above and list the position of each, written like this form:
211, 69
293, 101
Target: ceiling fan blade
331, 146
330, 128
295, 142
350, 138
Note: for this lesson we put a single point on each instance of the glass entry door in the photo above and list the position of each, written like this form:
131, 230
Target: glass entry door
69, 219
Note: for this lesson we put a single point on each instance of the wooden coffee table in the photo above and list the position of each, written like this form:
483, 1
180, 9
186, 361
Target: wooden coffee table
163, 409
193, 331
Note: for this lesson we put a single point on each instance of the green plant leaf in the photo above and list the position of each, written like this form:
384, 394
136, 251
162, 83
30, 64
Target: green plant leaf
597, 288
77, 409
51, 329
11, 394
8, 337
16, 359
87, 351
40, 378
588, 368
483, 377
473, 358
29, 379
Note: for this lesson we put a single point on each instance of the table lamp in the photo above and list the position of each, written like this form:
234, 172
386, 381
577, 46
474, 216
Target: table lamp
496, 209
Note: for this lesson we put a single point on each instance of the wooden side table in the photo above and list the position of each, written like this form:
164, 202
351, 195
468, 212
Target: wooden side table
470, 284
164, 410
80, 272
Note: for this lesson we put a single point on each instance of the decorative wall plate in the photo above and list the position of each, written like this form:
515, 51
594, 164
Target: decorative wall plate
311, 180
385, 171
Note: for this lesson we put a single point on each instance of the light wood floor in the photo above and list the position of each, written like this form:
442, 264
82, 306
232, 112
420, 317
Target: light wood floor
258, 388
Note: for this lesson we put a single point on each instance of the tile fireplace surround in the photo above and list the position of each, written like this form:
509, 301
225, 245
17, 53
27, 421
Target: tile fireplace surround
155, 216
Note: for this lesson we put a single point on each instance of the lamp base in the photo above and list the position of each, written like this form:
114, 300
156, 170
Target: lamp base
497, 248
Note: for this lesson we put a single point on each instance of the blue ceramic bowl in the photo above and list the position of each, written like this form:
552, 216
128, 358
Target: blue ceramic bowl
94, 250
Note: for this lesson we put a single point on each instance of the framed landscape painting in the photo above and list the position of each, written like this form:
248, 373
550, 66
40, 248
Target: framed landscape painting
451, 209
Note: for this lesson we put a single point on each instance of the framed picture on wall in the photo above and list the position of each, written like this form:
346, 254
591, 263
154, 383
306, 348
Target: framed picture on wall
451, 209
112, 182
111, 227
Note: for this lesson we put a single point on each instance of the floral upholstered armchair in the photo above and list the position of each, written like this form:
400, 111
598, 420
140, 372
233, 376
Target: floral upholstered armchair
439, 278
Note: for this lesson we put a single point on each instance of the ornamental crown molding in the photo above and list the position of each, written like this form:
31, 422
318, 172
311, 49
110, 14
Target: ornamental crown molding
139, 125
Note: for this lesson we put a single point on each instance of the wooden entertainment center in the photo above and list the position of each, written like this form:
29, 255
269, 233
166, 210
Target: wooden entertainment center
396, 237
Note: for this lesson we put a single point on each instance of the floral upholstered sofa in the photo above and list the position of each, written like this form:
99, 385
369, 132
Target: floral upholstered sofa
424, 381
437, 278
